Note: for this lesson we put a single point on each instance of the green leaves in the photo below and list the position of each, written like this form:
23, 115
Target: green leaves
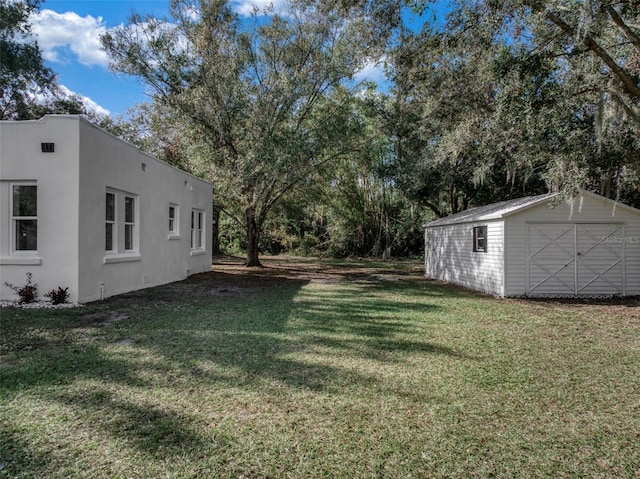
514, 98
22, 70
257, 94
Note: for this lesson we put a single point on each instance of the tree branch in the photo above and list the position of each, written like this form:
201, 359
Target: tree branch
617, 19
629, 83
438, 212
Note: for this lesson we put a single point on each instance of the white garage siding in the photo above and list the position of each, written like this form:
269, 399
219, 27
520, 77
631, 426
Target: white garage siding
588, 248
453, 245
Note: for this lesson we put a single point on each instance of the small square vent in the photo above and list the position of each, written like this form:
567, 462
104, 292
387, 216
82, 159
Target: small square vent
48, 147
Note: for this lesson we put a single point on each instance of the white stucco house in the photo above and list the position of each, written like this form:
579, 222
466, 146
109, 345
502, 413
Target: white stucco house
84, 210
533, 247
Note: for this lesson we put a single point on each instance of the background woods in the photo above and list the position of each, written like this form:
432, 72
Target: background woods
482, 101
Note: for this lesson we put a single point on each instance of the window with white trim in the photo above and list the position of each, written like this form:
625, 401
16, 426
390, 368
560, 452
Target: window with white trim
173, 219
24, 217
110, 222
129, 223
480, 239
197, 229
121, 222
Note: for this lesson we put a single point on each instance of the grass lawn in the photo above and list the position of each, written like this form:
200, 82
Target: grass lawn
320, 369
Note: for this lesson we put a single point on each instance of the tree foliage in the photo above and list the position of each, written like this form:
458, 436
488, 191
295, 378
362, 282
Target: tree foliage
22, 71
28, 88
365, 212
597, 46
263, 100
599, 30
458, 142
503, 101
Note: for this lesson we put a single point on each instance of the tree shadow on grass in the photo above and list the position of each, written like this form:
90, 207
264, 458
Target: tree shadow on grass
264, 336
156, 431
216, 331
384, 350
62, 365
17, 455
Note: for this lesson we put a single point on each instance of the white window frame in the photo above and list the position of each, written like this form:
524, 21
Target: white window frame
477, 238
174, 225
113, 222
16, 218
130, 229
125, 229
197, 229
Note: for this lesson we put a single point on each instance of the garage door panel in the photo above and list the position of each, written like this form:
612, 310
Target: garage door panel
599, 288
580, 259
550, 240
599, 259
551, 260
551, 282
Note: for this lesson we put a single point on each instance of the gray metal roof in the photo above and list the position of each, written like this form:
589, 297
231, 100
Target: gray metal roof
491, 212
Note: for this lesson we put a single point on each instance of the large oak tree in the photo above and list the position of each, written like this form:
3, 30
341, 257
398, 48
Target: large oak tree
260, 95
513, 98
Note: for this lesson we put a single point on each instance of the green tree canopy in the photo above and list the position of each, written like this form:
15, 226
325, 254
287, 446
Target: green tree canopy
505, 101
28, 88
22, 71
261, 95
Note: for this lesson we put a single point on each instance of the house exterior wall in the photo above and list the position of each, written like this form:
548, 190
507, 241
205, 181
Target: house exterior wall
72, 187
449, 256
108, 164
586, 209
55, 263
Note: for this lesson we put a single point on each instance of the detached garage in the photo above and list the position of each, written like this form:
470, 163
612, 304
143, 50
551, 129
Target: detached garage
589, 246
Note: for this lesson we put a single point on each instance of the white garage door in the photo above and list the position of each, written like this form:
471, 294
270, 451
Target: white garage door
575, 259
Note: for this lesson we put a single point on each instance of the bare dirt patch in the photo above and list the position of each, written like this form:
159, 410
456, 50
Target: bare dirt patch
230, 277
315, 271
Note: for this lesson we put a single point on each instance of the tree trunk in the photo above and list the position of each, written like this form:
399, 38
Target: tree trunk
253, 235
215, 232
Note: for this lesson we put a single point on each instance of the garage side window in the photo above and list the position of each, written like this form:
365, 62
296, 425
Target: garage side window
24, 217
480, 239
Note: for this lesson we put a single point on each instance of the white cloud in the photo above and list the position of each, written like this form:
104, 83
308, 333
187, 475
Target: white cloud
81, 35
63, 92
372, 71
192, 13
88, 102
246, 8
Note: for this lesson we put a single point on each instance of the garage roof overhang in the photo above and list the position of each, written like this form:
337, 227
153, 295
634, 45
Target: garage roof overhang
501, 210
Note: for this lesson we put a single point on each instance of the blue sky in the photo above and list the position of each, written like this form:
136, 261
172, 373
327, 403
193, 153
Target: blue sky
68, 33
